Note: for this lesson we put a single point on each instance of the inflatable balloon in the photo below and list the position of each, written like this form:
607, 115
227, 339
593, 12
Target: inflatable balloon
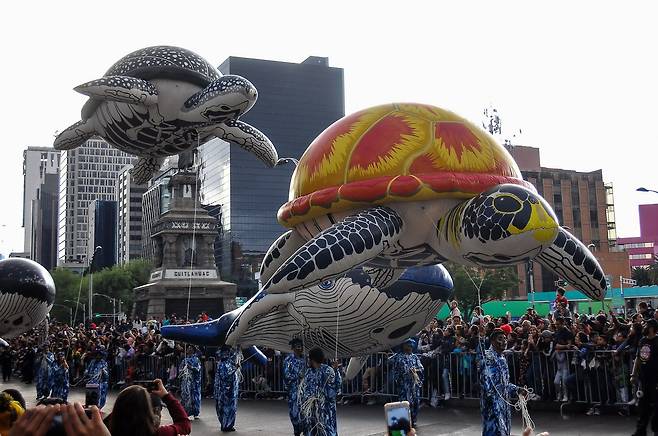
354, 315
403, 185
160, 101
27, 293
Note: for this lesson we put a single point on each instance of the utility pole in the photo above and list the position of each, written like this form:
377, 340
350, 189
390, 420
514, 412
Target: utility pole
91, 281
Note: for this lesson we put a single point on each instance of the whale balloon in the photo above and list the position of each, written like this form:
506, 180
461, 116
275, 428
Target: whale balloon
27, 293
354, 315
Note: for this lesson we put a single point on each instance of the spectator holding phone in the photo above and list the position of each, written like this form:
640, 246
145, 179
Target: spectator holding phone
135, 414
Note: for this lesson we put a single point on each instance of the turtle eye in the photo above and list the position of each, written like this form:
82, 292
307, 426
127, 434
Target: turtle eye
507, 204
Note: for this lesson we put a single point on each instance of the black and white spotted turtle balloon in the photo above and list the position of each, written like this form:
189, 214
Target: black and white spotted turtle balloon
161, 101
27, 293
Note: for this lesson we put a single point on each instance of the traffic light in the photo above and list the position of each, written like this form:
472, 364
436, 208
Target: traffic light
97, 315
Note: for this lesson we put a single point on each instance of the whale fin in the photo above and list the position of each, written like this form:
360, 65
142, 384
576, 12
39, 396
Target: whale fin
354, 366
211, 333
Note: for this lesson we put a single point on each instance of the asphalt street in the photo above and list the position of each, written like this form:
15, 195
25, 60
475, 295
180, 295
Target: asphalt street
270, 417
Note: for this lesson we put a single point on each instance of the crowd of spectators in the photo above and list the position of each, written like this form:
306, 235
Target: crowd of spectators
563, 356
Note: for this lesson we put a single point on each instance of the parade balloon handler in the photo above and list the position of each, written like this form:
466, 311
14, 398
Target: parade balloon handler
318, 390
97, 373
227, 386
60, 378
190, 382
44, 364
294, 366
408, 375
645, 375
496, 389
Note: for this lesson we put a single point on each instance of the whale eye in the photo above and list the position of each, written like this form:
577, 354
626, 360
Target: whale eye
18, 321
507, 204
327, 284
224, 107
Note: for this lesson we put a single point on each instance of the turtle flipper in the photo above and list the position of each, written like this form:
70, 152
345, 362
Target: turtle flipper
571, 260
225, 98
249, 138
280, 250
123, 89
350, 242
144, 169
74, 136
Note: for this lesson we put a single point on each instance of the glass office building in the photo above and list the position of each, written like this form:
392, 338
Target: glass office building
296, 102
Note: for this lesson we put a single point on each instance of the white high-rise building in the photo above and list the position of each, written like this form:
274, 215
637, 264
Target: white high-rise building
87, 173
37, 163
129, 198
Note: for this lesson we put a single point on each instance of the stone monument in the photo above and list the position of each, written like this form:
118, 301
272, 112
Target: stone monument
184, 261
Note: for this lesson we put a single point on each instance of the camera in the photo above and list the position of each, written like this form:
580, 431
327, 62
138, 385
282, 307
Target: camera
149, 385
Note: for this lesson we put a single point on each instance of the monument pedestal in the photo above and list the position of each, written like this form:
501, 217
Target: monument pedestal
184, 264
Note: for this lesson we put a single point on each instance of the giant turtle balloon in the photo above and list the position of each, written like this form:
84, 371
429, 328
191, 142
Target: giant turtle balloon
27, 293
403, 185
160, 101
354, 315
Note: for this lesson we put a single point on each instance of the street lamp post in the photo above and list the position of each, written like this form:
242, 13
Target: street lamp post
70, 312
90, 269
84, 308
646, 190
113, 300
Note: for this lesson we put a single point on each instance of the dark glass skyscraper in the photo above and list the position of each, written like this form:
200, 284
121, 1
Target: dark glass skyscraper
296, 102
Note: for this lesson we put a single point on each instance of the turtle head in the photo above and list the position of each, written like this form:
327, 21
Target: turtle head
223, 99
504, 225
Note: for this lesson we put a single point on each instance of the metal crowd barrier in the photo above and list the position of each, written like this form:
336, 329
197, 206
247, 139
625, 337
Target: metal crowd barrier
601, 377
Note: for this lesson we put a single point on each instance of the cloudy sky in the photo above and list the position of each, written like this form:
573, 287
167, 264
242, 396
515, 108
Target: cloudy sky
579, 78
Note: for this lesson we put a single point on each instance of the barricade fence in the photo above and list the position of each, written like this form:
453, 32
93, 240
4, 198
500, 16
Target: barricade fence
601, 377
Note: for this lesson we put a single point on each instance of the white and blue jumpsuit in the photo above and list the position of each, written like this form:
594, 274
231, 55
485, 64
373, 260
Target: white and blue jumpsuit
190, 375
60, 381
408, 376
293, 371
227, 385
496, 391
97, 372
44, 367
317, 399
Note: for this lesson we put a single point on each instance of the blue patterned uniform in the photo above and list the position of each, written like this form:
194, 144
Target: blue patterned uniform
97, 372
293, 370
494, 384
190, 375
44, 367
227, 385
407, 382
60, 381
317, 399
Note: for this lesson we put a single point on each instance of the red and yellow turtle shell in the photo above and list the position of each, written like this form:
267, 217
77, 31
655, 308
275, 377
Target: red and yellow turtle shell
395, 153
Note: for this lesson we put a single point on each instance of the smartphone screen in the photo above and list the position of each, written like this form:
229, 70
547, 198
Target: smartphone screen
92, 392
398, 418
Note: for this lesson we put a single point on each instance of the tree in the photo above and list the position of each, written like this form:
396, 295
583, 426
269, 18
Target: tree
116, 282
646, 276
495, 283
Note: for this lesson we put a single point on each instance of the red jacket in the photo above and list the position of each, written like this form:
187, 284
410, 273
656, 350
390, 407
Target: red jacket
181, 425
